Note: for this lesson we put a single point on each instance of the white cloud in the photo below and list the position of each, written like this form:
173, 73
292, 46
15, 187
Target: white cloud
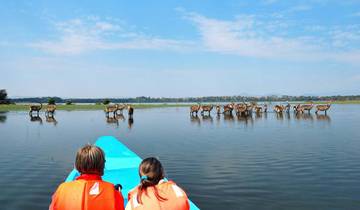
345, 38
78, 36
246, 35
253, 36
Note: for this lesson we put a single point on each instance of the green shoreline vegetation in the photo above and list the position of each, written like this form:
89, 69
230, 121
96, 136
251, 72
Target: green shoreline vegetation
25, 107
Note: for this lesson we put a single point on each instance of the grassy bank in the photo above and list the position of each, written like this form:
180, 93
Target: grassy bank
25, 107
347, 102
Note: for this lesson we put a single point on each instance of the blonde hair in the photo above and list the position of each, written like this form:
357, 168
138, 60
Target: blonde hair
90, 159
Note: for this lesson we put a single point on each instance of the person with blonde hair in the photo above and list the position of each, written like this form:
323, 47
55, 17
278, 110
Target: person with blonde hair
88, 191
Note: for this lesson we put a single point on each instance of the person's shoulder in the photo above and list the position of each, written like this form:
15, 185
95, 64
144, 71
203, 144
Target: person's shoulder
107, 184
174, 187
69, 184
134, 190
167, 183
65, 186
76, 183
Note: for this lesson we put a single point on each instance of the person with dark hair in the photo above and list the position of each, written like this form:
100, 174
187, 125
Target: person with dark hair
155, 192
88, 191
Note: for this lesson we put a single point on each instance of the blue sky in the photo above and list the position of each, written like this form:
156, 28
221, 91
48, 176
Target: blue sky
179, 48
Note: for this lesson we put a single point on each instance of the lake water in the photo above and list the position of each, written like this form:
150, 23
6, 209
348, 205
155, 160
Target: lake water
263, 162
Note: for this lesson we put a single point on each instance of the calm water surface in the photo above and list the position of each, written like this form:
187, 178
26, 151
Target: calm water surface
263, 162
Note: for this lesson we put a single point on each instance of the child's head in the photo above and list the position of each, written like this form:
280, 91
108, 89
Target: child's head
90, 160
152, 169
150, 172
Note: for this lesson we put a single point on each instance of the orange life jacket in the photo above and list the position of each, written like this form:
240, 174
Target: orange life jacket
87, 192
176, 198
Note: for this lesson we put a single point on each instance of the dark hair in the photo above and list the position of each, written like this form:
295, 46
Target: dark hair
152, 170
90, 160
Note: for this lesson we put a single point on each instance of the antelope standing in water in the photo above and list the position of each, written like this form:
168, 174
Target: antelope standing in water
50, 109
228, 108
206, 108
35, 108
307, 107
130, 111
111, 109
195, 109
241, 109
288, 107
298, 109
279, 108
218, 109
249, 108
258, 109
120, 107
322, 107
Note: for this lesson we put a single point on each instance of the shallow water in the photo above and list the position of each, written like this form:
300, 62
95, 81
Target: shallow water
263, 162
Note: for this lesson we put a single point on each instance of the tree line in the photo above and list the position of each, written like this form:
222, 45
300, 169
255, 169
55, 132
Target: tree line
3, 97
206, 99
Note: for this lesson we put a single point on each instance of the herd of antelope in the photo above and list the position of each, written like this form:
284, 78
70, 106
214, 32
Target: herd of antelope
117, 109
112, 108
246, 109
49, 111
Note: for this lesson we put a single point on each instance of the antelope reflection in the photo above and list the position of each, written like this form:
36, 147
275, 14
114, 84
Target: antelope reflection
323, 117
3, 117
245, 119
120, 117
304, 116
258, 115
229, 117
279, 115
112, 120
194, 119
51, 119
36, 118
207, 118
265, 115
130, 122
287, 114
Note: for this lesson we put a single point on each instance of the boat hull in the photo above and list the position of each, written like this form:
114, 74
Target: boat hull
121, 166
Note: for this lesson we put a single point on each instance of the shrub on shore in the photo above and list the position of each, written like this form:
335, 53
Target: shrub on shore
51, 101
106, 101
3, 97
